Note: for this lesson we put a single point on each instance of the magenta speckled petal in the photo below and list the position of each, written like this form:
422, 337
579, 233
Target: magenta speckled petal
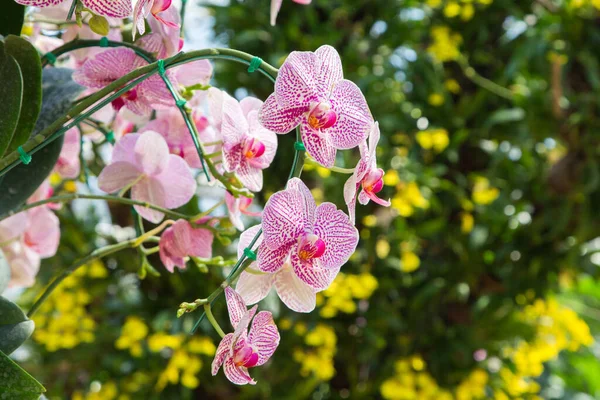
278, 119
222, 352
264, 336
249, 176
308, 201
237, 375
39, 3
328, 69
318, 145
283, 218
272, 260
354, 120
296, 84
340, 236
109, 8
309, 273
235, 305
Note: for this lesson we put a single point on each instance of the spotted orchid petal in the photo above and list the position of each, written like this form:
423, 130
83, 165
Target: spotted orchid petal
106, 67
354, 120
241, 330
235, 374
312, 275
339, 234
271, 261
235, 306
308, 201
284, 218
109, 8
278, 119
350, 190
328, 69
249, 176
317, 144
293, 292
296, 85
222, 352
264, 336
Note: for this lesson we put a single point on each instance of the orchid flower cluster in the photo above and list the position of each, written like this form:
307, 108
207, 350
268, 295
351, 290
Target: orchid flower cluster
299, 247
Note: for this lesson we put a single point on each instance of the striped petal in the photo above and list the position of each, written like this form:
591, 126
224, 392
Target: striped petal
312, 275
296, 85
235, 305
235, 374
318, 144
272, 260
340, 236
264, 336
278, 119
222, 352
354, 120
283, 218
328, 69
109, 8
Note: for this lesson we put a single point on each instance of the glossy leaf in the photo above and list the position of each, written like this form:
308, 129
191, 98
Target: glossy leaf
16, 383
11, 93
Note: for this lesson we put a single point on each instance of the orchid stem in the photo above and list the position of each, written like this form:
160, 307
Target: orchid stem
341, 170
207, 212
213, 321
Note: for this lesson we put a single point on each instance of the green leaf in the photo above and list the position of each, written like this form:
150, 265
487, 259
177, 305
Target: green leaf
4, 272
59, 91
31, 70
16, 383
11, 18
504, 116
11, 93
15, 327
99, 25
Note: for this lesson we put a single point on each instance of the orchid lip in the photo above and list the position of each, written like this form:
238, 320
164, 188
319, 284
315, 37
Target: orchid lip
322, 116
373, 181
245, 357
253, 148
310, 246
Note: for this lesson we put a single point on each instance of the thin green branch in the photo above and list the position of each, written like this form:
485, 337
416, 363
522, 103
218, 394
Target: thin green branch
484, 82
213, 321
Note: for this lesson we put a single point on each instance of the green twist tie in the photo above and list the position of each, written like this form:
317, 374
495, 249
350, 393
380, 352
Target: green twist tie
25, 158
161, 67
299, 146
104, 42
181, 103
110, 137
50, 57
250, 254
254, 64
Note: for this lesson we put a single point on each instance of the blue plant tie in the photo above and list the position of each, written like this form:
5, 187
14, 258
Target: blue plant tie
50, 57
25, 158
181, 103
254, 64
104, 42
250, 254
161, 67
299, 146
110, 137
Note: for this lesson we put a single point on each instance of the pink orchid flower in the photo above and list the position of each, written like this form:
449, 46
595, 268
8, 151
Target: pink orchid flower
112, 64
182, 240
43, 192
170, 124
317, 240
241, 349
107, 8
276, 6
68, 165
310, 91
237, 207
143, 162
143, 8
254, 285
367, 175
25, 238
248, 147
165, 40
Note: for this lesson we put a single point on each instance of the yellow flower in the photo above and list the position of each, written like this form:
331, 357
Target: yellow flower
134, 330
369, 221
483, 192
70, 186
466, 222
445, 44
452, 9
409, 261
201, 345
434, 3
382, 248
161, 340
391, 178
452, 86
435, 99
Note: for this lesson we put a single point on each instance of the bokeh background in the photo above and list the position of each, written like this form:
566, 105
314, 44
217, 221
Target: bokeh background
481, 280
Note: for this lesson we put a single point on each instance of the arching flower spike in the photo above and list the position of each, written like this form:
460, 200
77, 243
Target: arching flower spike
367, 175
241, 349
310, 91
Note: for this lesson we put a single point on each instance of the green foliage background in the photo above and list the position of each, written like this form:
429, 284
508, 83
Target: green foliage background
524, 120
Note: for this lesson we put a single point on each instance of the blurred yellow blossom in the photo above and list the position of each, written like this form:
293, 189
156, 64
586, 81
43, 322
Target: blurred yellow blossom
452, 86
391, 178
70, 186
483, 192
133, 332
435, 99
340, 295
466, 222
434, 3
407, 198
382, 248
412, 382
452, 9
436, 139
317, 359
161, 340
445, 44
409, 261
369, 221
467, 11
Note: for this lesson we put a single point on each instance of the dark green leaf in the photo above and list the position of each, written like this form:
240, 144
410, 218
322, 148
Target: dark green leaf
15, 328
11, 18
11, 93
31, 71
16, 383
58, 93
